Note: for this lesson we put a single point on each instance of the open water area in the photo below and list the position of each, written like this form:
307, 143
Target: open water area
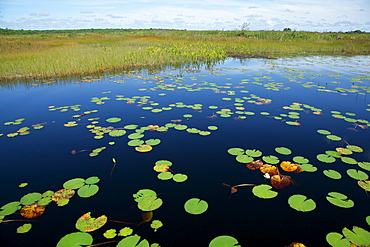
199, 126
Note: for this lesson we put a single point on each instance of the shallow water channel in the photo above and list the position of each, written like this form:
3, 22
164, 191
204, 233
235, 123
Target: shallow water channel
55, 130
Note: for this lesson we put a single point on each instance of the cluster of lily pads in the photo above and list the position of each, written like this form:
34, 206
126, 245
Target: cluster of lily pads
165, 172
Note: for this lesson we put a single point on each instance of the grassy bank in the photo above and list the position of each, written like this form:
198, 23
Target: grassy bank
46, 54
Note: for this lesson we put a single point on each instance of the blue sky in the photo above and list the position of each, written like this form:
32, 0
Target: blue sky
308, 15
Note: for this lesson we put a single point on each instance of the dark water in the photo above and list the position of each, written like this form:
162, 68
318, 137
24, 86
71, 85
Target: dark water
43, 158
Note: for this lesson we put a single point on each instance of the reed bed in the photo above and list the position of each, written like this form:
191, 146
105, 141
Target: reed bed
44, 55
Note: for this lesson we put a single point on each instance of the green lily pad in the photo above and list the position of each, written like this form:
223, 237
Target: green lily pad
357, 236
178, 177
364, 165
156, 224
133, 241
135, 142
143, 193
74, 183
283, 150
368, 220
111, 233
325, 158
324, 132
163, 162
125, 231
165, 175
88, 224
22, 185
75, 239
195, 206
44, 201
224, 241
10, 208
244, 159
92, 180
271, 159
264, 191
301, 203
364, 184
212, 127
149, 203
193, 130
204, 133
337, 240
30, 198
117, 133
153, 142
355, 148
113, 120
253, 152
235, 151
300, 160
24, 228
130, 126
356, 174
340, 200
308, 168
135, 136
333, 137
349, 160
187, 115
180, 127
332, 174
88, 190
334, 154
62, 202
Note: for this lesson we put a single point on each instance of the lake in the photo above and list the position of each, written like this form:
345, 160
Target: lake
151, 140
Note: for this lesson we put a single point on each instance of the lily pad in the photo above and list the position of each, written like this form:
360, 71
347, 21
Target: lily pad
212, 127
24, 228
74, 183
149, 203
355, 148
125, 231
224, 241
111, 233
332, 174
133, 241
300, 160
337, 240
135, 142
253, 152
283, 150
165, 175
349, 160
178, 177
325, 158
357, 236
30, 198
324, 132
244, 159
143, 148
156, 224
153, 142
301, 203
135, 136
75, 239
163, 162
333, 137
235, 151
113, 120
271, 159
308, 168
340, 200
92, 180
264, 191
88, 190
10, 208
117, 133
365, 185
356, 174
334, 154
143, 193
88, 224
195, 206
364, 165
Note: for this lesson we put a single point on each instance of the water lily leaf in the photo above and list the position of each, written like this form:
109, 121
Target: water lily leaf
88, 190
113, 120
253, 152
149, 203
163, 162
143, 148
364, 184
195, 206
271, 159
283, 150
111, 233
178, 177
340, 200
324, 132
62, 194
204, 133
344, 151
333, 137
30, 198
22, 185
165, 175
364, 165
337, 240
334, 154
368, 220
301, 203
143, 193
135, 136
117, 133
300, 160
355, 148
193, 130
135, 142
75, 239
224, 241
187, 115
264, 191
125, 231
357, 236
24, 228
308, 168
212, 127
325, 158
356, 174
349, 160
332, 174
153, 142
180, 127
10, 208
156, 224
130, 126
62, 202
74, 183
88, 224
32, 211
235, 151
133, 241
44, 201
92, 180
244, 158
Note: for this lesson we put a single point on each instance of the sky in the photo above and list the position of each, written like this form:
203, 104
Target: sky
300, 15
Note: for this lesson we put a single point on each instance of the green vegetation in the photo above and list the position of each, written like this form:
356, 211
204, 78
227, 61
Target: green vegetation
54, 53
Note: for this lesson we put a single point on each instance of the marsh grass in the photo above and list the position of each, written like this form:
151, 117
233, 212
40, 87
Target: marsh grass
66, 54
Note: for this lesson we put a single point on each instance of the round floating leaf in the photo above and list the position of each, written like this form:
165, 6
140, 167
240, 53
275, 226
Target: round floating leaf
135, 136
253, 152
75, 239
74, 183
165, 175
180, 127
334, 154
135, 142
332, 174
356, 174
204, 133
92, 180
10, 208
130, 126
344, 151
88, 190
195, 206
264, 191
365, 185
178, 177
133, 241
212, 127
244, 159
88, 224
62, 194
111, 233
283, 150
308, 168
357, 236
300, 160
364, 165
235, 151
62, 202
337, 240
117, 133
301, 203
44, 201
368, 220
324, 132
125, 231
271, 159
22, 185
163, 162
193, 130
143, 148
24, 228
224, 241
32, 211
161, 168
149, 203
340, 200
354, 148
153, 142
349, 160
113, 120
156, 224
187, 115
30, 198
325, 158
333, 137
143, 193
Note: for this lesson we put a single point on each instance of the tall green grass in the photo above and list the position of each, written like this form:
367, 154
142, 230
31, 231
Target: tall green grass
64, 54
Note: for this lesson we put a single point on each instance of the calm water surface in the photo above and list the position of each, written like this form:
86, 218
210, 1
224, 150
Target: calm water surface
319, 86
